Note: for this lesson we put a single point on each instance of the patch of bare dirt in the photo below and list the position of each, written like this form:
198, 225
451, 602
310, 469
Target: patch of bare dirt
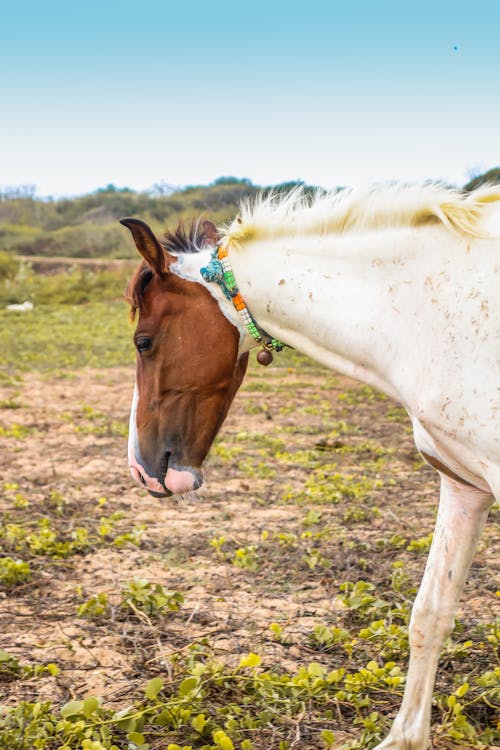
66, 458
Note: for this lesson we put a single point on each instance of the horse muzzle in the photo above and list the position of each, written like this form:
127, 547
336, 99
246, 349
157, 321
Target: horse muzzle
167, 478
176, 481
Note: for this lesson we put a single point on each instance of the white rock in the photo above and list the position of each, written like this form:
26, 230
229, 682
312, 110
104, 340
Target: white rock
22, 307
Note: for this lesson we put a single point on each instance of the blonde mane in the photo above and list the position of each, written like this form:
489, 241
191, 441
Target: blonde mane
298, 213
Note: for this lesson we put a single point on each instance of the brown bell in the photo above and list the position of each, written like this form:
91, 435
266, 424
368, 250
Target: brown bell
264, 357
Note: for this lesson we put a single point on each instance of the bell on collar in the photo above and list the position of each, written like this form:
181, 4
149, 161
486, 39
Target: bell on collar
264, 357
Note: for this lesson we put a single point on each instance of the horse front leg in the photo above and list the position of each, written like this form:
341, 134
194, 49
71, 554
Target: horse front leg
461, 516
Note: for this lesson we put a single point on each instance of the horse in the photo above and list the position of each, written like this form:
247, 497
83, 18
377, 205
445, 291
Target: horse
395, 286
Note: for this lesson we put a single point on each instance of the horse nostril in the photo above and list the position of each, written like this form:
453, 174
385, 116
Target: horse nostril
141, 477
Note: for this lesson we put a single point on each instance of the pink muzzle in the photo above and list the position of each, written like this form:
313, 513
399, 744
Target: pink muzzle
176, 481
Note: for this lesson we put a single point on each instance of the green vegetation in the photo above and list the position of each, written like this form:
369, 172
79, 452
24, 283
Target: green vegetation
13, 572
209, 706
342, 689
139, 598
78, 318
65, 337
87, 226
271, 615
491, 177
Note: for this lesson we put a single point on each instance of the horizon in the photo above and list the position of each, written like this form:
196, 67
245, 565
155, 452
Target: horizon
157, 190
333, 93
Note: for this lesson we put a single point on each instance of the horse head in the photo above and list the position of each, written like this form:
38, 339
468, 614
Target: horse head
188, 365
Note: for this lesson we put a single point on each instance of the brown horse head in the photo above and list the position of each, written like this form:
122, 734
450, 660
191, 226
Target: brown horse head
188, 368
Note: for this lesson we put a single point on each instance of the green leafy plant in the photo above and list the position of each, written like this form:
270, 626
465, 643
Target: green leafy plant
95, 608
44, 539
13, 572
246, 557
151, 599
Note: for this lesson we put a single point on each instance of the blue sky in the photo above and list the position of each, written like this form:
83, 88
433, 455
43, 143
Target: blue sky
329, 92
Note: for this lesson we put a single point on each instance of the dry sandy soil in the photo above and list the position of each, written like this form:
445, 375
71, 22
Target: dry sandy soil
69, 465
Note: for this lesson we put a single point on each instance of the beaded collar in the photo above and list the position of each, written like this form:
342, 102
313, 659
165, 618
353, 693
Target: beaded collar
219, 271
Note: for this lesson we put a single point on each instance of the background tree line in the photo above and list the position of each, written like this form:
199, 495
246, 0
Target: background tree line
87, 226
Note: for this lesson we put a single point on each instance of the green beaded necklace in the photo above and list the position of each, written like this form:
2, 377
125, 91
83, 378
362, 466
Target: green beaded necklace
219, 271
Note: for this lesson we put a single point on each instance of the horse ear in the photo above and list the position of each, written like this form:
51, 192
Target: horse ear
210, 232
148, 246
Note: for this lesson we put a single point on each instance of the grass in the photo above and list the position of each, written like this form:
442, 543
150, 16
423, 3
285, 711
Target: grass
65, 337
79, 320
271, 616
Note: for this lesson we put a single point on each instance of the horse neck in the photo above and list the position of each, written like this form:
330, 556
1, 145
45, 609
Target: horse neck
189, 267
348, 301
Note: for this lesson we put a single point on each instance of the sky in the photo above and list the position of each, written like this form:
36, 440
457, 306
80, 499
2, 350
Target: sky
331, 92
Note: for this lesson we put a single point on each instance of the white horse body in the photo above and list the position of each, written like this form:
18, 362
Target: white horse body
399, 290
410, 311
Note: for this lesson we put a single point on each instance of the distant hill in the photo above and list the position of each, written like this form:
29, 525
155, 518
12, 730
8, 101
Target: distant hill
491, 177
87, 226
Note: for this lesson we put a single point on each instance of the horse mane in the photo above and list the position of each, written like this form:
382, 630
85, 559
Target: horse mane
188, 238
300, 212
297, 212
184, 239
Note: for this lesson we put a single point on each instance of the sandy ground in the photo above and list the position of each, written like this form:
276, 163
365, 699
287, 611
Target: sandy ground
63, 457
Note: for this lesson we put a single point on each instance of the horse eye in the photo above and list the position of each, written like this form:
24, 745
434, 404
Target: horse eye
143, 343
